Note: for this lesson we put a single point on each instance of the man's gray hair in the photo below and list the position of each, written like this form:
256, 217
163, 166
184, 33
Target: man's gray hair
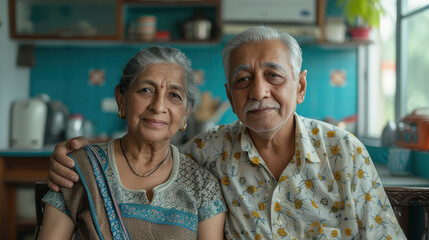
259, 34
153, 55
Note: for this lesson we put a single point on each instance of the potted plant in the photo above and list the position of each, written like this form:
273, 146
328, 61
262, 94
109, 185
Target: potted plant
361, 16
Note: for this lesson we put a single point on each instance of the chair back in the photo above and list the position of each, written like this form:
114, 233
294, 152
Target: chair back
41, 188
407, 204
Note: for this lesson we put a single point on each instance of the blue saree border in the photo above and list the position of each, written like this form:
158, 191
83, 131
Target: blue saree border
160, 215
117, 226
91, 203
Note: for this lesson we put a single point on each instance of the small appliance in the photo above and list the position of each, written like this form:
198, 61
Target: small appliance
413, 130
28, 121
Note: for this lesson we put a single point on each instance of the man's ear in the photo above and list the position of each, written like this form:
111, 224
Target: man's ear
302, 87
228, 93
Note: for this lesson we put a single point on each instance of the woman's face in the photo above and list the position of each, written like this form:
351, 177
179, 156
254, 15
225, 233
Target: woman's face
155, 103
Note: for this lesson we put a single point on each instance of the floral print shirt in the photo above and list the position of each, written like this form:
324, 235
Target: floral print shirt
329, 190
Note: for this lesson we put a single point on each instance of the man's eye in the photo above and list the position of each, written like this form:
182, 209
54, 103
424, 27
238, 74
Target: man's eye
273, 75
243, 79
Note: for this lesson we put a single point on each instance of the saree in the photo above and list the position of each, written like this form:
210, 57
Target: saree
102, 208
91, 203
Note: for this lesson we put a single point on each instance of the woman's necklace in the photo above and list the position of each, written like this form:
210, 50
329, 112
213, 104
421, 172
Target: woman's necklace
134, 169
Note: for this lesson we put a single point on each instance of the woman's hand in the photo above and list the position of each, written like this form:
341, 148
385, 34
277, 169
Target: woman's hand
60, 172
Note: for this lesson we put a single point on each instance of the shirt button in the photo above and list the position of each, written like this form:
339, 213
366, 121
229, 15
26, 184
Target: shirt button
278, 199
280, 222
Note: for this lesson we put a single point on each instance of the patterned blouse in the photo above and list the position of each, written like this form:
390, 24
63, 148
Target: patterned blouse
329, 190
190, 195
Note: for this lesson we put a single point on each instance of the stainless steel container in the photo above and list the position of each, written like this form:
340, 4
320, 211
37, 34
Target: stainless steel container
198, 29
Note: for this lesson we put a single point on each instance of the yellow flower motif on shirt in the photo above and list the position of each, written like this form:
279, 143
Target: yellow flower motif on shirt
190, 156
234, 203
314, 204
237, 234
224, 155
359, 222
317, 143
315, 131
335, 150
308, 183
359, 150
298, 204
255, 160
247, 216
228, 136
337, 175
378, 219
277, 207
261, 206
251, 189
281, 232
319, 176
367, 161
258, 236
255, 214
260, 183
348, 232
298, 162
354, 157
360, 173
334, 233
282, 179
237, 155
288, 213
368, 197
331, 134
225, 181
389, 237
199, 143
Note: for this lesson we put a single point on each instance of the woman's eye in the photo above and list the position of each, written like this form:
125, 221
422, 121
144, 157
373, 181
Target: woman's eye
175, 95
145, 90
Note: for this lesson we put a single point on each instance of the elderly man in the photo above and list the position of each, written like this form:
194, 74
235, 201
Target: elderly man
282, 175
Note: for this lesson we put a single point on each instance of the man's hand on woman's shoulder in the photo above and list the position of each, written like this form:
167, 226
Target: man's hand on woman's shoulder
60, 173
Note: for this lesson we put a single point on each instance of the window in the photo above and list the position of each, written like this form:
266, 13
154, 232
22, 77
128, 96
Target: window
396, 77
413, 57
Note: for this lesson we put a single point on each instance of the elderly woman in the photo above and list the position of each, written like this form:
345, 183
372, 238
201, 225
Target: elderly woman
140, 186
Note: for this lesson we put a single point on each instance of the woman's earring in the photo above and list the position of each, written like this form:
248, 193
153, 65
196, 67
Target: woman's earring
120, 114
185, 125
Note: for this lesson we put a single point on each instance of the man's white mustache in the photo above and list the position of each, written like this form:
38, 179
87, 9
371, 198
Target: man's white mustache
255, 105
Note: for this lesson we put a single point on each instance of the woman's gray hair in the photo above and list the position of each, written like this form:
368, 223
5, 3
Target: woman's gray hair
153, 55
259, 34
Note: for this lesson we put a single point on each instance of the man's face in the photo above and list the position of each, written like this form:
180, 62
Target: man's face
263, 90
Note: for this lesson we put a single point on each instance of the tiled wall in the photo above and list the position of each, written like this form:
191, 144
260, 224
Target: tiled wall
62, 73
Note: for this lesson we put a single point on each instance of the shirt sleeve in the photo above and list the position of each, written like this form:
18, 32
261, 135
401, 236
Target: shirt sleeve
374, 214
197, 149
56, 200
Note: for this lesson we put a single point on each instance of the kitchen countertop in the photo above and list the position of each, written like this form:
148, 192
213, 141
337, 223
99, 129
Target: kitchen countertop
43, 152
389, 180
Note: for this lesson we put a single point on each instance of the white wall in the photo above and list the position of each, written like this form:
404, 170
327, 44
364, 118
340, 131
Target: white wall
14, 81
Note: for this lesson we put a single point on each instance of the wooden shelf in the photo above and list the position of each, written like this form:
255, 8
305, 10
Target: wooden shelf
173, 3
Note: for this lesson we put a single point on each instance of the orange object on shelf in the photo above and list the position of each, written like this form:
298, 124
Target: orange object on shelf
413, 130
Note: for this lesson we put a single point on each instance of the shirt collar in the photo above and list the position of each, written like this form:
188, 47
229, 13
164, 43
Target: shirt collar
304, 149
